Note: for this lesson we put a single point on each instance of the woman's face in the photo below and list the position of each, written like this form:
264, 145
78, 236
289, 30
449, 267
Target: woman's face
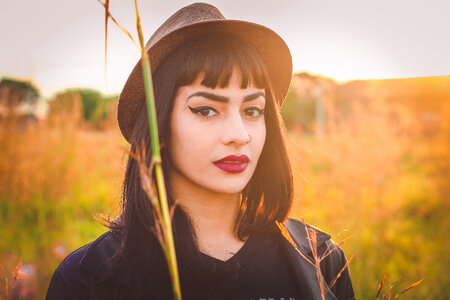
217, 135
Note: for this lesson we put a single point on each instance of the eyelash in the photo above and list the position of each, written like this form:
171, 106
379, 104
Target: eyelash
255, 108
199, 109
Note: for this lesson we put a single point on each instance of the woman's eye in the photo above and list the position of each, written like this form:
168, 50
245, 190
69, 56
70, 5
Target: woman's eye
254, 112
204, 111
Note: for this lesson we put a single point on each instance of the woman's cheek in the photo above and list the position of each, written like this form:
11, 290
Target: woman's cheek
259, 137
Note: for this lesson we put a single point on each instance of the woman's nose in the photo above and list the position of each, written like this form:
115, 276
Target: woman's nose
235, 131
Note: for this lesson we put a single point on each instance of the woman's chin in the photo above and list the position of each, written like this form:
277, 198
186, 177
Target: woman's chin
229, 185
230, 188
220, 185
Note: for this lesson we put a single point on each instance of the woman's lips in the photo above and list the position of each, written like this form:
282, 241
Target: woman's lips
233, 163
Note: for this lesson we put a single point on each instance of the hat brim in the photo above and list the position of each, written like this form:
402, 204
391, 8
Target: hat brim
268, 44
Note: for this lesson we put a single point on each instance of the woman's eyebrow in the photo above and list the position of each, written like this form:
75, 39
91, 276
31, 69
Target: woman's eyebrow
254, 96
209, 96
219, 98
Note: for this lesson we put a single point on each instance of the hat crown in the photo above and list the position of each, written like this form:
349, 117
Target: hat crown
191, 14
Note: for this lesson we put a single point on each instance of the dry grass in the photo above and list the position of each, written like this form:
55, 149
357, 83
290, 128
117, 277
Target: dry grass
388, 294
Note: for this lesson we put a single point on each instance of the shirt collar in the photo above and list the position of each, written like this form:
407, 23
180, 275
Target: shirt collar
295, 240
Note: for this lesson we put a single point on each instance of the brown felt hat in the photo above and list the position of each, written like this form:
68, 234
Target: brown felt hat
187, 23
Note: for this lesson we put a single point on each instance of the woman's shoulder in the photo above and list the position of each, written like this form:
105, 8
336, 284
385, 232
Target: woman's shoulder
94, 253
304, 234
84, 266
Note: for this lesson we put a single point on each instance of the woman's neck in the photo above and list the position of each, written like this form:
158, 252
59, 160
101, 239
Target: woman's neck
213, 216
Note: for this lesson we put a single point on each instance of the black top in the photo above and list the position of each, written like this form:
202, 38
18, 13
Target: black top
267, 267
259, 270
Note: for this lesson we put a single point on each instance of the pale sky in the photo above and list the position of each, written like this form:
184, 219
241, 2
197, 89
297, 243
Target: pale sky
60, 43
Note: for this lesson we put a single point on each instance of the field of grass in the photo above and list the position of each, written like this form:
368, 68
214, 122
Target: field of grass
380, 179
55, 178
386, 185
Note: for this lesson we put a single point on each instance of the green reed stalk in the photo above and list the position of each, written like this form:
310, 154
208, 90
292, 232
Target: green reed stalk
158, 200
166, 222
169, 249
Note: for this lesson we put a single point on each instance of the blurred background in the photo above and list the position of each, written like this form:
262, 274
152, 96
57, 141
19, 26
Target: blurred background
367, 118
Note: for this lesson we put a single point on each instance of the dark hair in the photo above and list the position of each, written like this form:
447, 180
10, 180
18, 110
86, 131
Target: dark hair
268, 195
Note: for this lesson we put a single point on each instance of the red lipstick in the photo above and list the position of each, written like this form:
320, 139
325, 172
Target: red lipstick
233, 163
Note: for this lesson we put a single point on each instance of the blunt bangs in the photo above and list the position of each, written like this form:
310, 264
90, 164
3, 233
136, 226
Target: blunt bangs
216, 56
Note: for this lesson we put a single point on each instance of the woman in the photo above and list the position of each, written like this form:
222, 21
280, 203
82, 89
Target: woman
218, 86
